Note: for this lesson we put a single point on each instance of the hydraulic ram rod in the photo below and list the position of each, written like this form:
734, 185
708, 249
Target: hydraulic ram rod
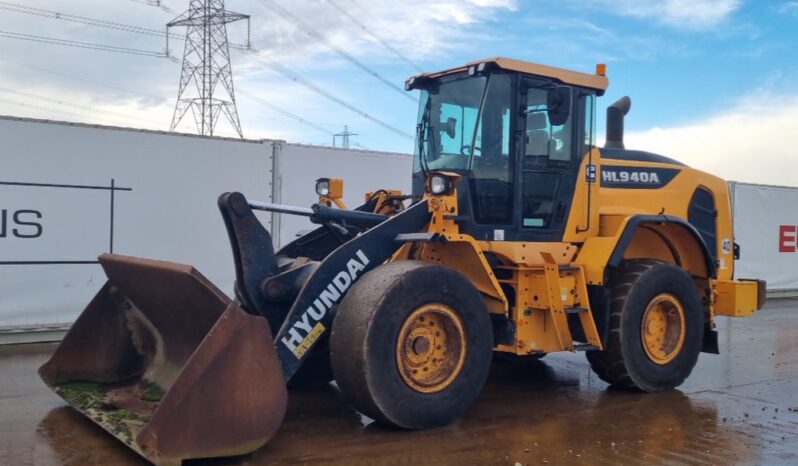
321, 214
280, 208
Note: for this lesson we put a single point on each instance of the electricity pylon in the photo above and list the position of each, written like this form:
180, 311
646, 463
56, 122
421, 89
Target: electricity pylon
206, 66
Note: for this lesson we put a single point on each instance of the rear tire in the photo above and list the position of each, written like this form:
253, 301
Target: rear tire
411, 344
656, 328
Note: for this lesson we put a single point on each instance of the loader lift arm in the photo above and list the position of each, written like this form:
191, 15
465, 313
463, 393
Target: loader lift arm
261, 284
254, 257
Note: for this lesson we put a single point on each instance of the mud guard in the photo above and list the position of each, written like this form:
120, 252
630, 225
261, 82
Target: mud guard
310, 316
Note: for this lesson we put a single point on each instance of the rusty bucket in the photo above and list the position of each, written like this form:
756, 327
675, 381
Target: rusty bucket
169, 365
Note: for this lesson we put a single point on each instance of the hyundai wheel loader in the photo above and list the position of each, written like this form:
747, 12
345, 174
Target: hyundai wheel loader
520, 237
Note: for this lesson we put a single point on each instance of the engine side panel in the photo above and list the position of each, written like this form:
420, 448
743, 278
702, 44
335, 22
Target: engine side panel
629, 187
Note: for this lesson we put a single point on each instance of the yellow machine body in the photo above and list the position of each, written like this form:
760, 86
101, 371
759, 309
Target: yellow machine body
549, 279
612, 217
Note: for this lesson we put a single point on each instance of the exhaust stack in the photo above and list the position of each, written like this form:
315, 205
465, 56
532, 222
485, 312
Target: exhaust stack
615, 115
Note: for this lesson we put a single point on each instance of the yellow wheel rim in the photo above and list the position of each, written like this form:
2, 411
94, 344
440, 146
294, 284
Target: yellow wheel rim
431, 348
663, 328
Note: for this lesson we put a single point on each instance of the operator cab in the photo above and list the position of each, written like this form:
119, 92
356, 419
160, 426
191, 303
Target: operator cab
502, 124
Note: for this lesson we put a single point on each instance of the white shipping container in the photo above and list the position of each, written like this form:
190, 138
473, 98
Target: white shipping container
766, 228
69, 192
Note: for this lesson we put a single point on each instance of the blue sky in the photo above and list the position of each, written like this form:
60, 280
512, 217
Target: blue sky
714, 82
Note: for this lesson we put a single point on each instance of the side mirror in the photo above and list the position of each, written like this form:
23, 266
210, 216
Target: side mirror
450, 127
559, 105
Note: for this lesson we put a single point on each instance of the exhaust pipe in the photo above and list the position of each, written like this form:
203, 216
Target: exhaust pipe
615, 115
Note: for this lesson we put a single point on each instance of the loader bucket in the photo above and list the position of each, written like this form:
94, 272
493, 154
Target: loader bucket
169, 365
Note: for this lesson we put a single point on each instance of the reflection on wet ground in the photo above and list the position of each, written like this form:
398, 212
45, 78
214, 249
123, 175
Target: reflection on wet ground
740, 407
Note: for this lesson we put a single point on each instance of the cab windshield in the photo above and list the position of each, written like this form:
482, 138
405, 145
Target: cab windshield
464, 125
454, 114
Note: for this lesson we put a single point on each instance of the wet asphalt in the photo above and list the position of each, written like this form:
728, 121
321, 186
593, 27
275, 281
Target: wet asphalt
739, 407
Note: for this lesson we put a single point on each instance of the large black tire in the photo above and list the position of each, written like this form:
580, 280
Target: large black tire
625, 362
366, 334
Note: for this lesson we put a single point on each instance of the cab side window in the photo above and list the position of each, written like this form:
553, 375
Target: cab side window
547, 158
546, 144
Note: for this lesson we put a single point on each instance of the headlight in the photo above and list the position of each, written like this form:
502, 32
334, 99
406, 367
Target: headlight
439, 184
323, 187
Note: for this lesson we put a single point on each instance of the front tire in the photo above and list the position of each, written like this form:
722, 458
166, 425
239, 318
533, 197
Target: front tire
411, 344
656, 328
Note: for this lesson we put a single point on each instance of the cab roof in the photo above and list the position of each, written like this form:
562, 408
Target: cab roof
576, 78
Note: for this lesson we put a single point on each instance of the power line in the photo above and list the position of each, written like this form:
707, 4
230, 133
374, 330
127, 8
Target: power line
156, 3
67, 104
249, 95
361, 7
89, 81
285, 71
64, 112
292, 115
95, 22
77, 78
259, 100
86, 118
28, 10
321, 38
371, 33
84, 45
46, 109
284, 112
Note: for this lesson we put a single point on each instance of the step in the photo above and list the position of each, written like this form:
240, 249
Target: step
584, 347
575, 310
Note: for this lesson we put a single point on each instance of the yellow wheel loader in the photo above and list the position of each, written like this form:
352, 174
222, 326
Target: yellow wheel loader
520, 237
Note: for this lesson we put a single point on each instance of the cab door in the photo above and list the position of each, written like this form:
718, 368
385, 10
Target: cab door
547, 166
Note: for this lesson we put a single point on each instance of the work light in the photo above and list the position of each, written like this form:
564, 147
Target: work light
439, 184
323, 186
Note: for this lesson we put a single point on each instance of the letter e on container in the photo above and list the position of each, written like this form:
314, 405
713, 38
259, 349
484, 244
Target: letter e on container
788, 238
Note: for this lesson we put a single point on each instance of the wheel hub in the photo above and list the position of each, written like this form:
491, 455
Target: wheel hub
431, 348
663, 328
421, 346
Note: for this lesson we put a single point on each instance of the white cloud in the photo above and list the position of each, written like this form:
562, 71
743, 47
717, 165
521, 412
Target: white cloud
685, 14
421, 29
754, 141
789, 7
